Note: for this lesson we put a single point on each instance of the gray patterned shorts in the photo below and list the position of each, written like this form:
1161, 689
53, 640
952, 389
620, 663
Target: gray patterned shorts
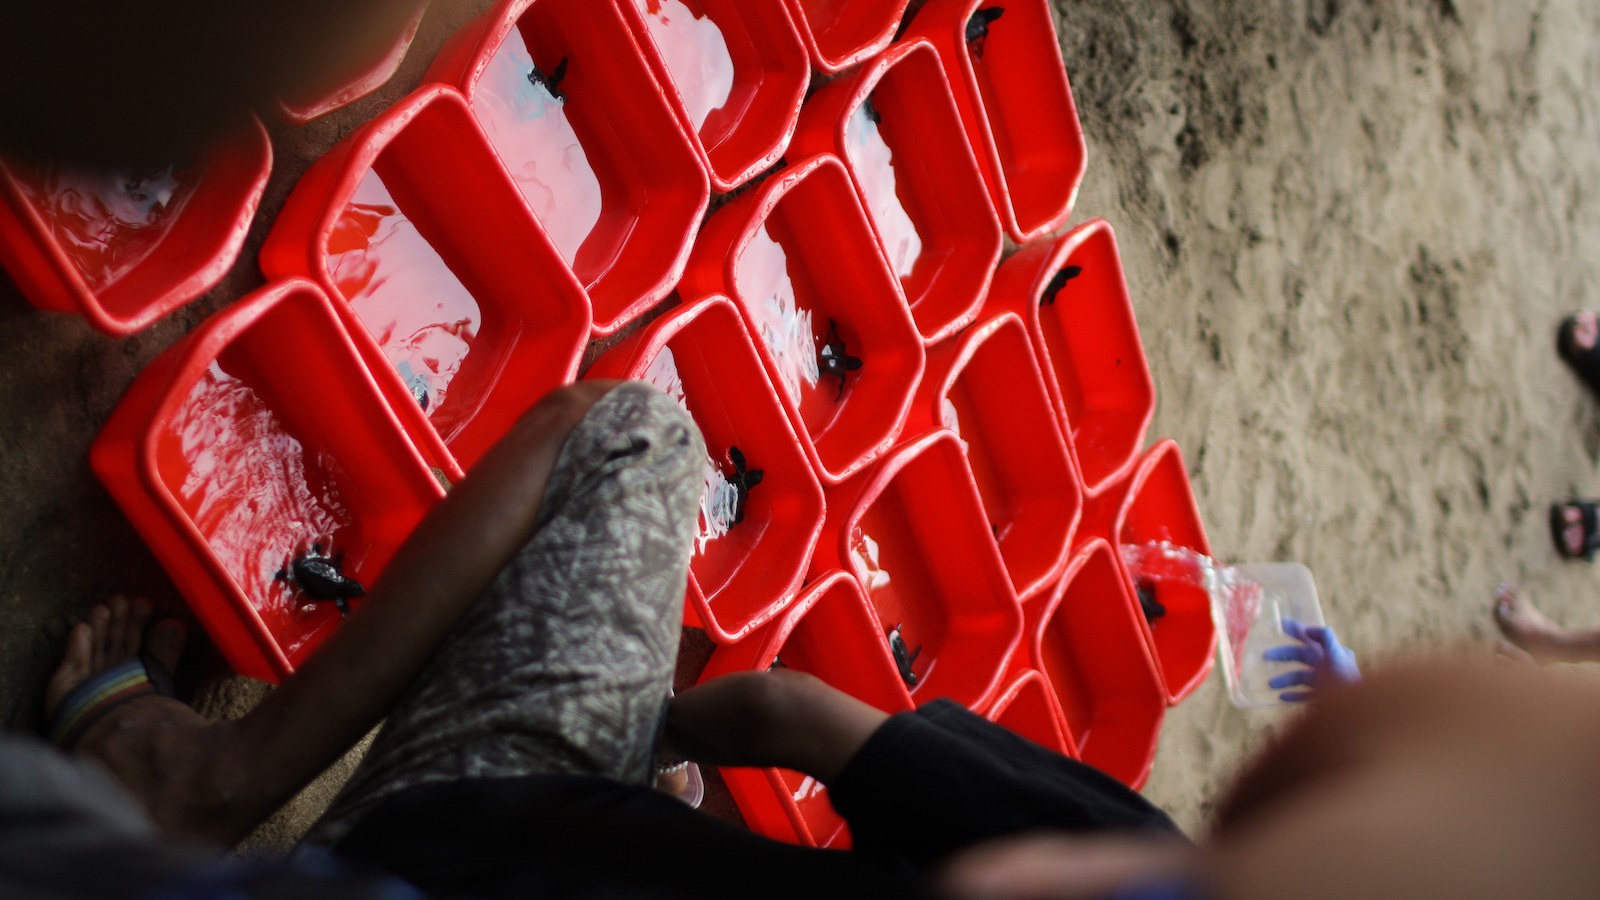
565, 664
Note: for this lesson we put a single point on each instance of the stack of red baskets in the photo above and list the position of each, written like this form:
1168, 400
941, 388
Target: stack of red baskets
965, 492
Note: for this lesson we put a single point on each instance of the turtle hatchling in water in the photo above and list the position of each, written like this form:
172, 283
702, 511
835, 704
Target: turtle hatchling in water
1048, 297
743, 480
978, 28
871, 111
902, 657
835, 359
320, 578
1152, 608
552, 81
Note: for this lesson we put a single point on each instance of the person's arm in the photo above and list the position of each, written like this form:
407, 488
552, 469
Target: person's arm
784, 719
917, 786
348, 686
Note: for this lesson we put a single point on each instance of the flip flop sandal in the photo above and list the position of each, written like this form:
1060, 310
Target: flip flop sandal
1588, 518
1586, 363
93, 700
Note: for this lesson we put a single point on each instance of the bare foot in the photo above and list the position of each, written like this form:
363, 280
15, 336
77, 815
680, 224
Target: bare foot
1527, 628
113, 634
155, 745
1509, 654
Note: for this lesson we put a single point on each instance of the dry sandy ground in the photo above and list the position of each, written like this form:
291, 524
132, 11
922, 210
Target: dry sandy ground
1350, 230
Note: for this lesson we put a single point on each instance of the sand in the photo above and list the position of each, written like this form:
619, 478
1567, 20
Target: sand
1350, 229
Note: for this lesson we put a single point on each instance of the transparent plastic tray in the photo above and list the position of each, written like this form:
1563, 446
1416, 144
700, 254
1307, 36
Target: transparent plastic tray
1288, 592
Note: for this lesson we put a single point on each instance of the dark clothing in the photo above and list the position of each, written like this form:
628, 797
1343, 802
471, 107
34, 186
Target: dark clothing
68, 832
925, 785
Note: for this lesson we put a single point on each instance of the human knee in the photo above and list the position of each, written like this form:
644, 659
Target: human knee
567, 405
626, 424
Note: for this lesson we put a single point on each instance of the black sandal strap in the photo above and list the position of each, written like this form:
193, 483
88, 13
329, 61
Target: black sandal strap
1586, 363
1588, 520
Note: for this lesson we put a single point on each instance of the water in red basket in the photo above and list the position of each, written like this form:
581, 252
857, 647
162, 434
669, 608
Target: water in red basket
695, 52
873, 162
891, 567
1238, 596
259, 498
421, 314
762, 275
719, 499
108, 221
529, 126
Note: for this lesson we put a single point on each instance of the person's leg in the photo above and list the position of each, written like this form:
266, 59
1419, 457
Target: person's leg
1525, 627
565, 665
217, 780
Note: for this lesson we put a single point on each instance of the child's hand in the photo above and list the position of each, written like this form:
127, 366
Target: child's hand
1329, 662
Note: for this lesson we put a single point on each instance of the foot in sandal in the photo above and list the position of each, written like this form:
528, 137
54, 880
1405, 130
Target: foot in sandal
1575, 528
1576, 342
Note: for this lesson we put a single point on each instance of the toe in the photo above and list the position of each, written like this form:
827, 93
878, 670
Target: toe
133, 634
117, 631
99, 625
1512, 655
165, 642
77, 663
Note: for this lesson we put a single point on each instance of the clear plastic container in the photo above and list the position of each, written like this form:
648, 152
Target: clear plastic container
1287, 592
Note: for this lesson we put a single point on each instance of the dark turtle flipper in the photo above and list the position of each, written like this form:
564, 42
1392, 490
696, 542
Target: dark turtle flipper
1588, 518
1586, 363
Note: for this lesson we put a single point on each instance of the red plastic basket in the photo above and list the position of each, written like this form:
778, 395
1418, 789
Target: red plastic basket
366, 76
1100, 511
913, 531
831, 632
1159, 506
1088, 640
271, 370
1087, 338
748, 576
1028, 707
471, 247
839, 274
199, 244
1017, 108
985, 386
841, 33
648, 187
936, 178
770, 71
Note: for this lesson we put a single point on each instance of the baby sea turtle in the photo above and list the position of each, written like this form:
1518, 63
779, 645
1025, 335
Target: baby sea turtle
1148, 604
1048, 298
743, 480
320, 578
871, 111
552, 81
978, 28
902, 658
835, 360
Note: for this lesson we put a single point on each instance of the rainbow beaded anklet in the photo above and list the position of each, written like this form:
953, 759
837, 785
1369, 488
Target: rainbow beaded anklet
89, 702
